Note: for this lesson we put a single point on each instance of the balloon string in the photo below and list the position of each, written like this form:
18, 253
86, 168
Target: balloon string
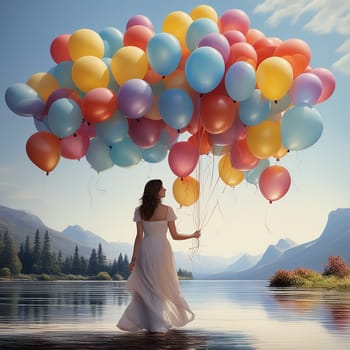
266, 217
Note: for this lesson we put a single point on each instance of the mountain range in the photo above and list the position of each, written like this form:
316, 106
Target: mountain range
285, 254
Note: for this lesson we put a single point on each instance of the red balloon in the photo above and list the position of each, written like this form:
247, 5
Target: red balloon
74, 146
234, 37
59, 48
137, 35
274, 182
145, 132
201, 141
99, 105
44, 150
183, 158
217, 113
264, 47
241, 157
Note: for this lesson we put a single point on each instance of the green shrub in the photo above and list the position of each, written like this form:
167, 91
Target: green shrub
103, 276
5, 272
118, 277
283, 278
44, 277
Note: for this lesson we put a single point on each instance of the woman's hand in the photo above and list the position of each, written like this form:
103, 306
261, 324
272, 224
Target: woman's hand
196, 234
132, 264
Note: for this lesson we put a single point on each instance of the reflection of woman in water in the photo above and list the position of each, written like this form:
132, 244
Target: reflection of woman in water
157, 303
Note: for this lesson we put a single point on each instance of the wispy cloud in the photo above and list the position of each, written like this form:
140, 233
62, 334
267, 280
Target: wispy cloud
326, 17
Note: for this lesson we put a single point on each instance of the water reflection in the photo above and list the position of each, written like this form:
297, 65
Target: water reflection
229, 315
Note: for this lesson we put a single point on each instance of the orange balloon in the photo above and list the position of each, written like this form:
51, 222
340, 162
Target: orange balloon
242, 52
186, 190
264, 139
253, 35
177, 79
297, 52
201, 141
228, 173
44, 150
282, 151
185, 53
264, 47
152, 76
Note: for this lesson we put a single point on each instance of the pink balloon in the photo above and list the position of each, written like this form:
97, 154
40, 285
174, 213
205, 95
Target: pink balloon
274, 182
87, 129
234, 37
234, 19
183, 158
74, 146
328, 82
241, 157
145, 132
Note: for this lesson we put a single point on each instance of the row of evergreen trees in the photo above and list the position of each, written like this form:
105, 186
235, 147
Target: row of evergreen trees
36, 258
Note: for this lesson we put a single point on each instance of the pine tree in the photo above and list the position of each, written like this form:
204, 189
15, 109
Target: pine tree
114, 267
125, 270
27, 261
59, 261
76, 262
37, 253
101, 259
9, 255
93, 263
46, 256
120, 265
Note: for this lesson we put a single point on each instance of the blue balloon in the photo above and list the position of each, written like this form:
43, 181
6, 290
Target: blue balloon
155, 154
64, 117
255, 109
164, 53
240, 81
42, 125
204, 69
112, 130
176, 108
252, 176
125, 153
23, 100
113, 40
63, 74
301, 127
198, 29
98, 155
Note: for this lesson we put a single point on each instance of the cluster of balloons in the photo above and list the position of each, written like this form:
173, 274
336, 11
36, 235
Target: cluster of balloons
224, 87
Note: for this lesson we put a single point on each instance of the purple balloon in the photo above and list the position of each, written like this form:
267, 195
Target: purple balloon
218, 42
135, 98
306, 89
139, 20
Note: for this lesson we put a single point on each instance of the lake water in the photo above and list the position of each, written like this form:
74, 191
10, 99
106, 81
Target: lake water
229, 315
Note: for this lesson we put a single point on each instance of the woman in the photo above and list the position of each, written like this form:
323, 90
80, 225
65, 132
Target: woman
157, 303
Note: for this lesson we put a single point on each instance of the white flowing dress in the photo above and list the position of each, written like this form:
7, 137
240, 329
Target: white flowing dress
157, 303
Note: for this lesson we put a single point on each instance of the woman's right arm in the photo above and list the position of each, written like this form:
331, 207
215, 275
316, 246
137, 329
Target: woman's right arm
137, 243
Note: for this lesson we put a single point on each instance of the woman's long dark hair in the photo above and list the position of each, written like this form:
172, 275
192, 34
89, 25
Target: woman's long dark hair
150, 199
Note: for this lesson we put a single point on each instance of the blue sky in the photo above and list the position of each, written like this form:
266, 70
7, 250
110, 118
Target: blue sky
103, 203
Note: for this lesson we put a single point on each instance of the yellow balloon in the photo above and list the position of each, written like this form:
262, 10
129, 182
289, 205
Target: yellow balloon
264, 139
186, 190
204, 11
129, 62
228, 174
274, 77
177, 23
85, 42
90, 72
282, 151
44, 84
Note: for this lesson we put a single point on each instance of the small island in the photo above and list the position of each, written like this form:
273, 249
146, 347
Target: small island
336, 275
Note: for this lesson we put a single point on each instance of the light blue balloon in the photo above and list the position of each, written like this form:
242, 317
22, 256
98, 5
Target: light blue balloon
64, 117
301, 127
240, 81
252, 176
198, 29
125, 153
42, 125
168, 138
164, 53
112, 130
176, 108
98, 155
63, 74
113, 39
255, 109
155, 154
23, 100
204, 69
